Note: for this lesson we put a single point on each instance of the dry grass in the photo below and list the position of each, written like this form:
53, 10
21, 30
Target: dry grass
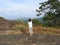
46, 30
37, 30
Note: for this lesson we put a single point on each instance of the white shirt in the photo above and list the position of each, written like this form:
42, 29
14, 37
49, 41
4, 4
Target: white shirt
30, 24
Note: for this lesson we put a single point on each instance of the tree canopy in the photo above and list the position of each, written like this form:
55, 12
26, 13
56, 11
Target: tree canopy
51, 11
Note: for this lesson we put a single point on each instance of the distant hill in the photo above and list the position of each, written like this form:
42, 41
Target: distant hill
2, 18
6, 24
22, 18
40, 19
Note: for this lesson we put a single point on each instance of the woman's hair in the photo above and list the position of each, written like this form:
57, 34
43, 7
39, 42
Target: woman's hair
29, 19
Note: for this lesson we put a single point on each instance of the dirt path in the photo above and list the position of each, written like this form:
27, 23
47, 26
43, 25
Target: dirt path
25, 39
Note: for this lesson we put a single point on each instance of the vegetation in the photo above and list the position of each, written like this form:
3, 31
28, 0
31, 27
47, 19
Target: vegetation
22, 27
51, 10
36, 22
1, 18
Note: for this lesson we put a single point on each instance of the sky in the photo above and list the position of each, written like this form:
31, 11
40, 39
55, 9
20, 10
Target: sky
14, 9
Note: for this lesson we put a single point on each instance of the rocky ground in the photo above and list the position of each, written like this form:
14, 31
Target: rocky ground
25, 39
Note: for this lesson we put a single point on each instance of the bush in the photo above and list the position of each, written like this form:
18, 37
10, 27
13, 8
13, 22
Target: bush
21, 28
36, 22
47, 24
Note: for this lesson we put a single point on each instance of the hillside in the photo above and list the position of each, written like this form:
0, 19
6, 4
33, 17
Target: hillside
11, 24
6, 24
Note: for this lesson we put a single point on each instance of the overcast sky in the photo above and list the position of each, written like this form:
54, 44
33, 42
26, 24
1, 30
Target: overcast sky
13, 9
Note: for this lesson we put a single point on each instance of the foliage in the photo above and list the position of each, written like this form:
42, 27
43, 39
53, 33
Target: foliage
46, 24
51, 10
23, 22
36, 22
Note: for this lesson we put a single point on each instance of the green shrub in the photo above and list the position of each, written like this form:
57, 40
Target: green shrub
36, 22
47, 24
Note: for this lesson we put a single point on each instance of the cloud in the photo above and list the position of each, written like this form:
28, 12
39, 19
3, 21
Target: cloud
15, 8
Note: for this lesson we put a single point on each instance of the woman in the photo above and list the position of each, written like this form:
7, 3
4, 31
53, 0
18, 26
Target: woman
30, 27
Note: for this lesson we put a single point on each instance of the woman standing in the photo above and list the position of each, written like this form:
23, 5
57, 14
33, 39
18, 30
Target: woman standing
30, 27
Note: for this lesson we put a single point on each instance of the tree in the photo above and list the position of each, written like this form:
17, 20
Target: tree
51, 11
